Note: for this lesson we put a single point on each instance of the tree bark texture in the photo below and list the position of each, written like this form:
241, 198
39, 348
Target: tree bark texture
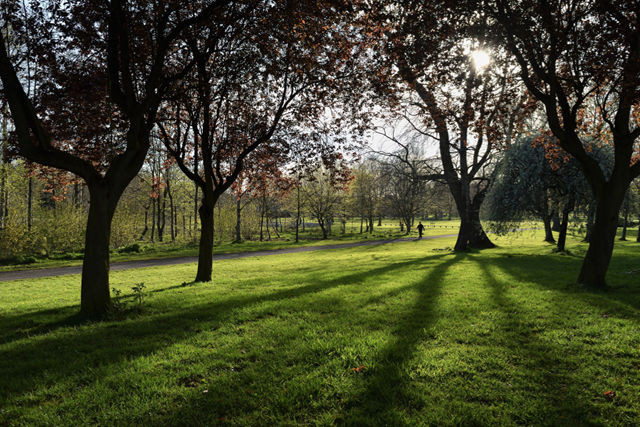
205, 253
596, 262
95, 299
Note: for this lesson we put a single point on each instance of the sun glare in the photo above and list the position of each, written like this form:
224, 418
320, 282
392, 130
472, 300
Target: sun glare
480, 58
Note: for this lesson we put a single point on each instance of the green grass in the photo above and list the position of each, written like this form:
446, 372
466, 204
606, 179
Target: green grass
409, 334
311, 237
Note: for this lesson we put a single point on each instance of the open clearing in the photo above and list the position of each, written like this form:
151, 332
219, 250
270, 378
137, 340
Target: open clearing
407, 334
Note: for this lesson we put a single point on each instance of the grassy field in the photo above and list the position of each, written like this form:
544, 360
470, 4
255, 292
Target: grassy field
311, 237
409, 334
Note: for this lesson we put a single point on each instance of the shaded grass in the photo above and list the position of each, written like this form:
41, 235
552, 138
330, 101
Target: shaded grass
398, 335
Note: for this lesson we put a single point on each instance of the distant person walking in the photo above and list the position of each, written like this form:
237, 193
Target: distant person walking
420, 229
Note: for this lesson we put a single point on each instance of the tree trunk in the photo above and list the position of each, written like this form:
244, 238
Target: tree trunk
478, 238
596, 262
267, 225
153, 219
261, 222
556, 220
591, 213
564, 225
623, 237
370, 224
29, 203
4, 212
172, 213
298, 213
548, 233
162, 219
407, 223
3, 186
146, 227
205, 253
95, 300
238, 210
324, 231
464, 234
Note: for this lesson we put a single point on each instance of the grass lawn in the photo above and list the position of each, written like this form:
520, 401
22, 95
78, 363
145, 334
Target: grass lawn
408, 334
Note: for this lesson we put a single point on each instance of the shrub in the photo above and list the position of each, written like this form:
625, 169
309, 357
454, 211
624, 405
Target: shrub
130, 248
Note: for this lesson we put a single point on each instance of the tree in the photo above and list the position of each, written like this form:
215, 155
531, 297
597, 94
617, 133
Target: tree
322, 193
364, 193
526, 183
105, 68
440, 86
263, 92
572, 54
406, 195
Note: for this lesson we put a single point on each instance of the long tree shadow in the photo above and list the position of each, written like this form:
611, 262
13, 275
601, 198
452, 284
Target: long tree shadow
82, 355
543, 271
387, 386
538, 370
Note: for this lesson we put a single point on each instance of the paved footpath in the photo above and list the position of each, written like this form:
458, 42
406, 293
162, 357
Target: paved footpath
62, 271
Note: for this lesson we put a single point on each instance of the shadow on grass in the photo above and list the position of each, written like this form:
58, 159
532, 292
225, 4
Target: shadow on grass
552, 371
542, 270
87, 355
82, 356
387, 394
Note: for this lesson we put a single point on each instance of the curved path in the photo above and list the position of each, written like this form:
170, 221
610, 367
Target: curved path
62, 271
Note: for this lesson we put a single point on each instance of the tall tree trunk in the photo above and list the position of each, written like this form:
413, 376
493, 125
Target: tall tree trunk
238, 210
161, 217
324, 231
548, 233
153, 219
29, 203
591, 213
205, 253
297, 212
146, 219
267, 225
173, 217
564, 225
625, 219
371, 224
95, 300
596, 262
3, 191
261, 222
4, 211
464, 234
556, 220
478, 238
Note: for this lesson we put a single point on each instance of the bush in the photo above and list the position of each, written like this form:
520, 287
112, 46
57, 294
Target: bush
131, 248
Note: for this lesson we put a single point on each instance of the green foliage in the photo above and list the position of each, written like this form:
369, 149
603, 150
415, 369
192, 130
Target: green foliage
138, 291
131, 248
393, 334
